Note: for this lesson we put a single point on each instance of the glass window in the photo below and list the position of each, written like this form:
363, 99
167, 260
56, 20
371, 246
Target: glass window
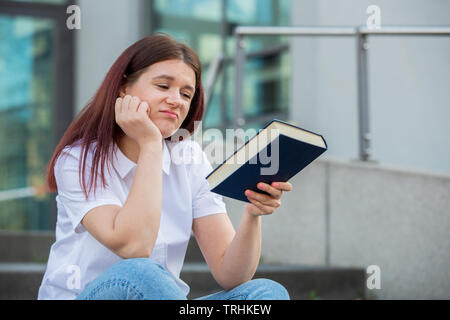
207, 26
254, 12
43, 1
26, 88
206, 10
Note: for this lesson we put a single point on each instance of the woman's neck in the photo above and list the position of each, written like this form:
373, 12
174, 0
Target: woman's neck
129, 147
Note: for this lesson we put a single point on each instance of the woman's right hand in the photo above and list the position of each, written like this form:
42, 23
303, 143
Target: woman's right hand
132, 115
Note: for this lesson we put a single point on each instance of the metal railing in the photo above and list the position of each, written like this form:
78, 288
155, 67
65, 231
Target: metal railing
214, 70
362, 46
218, 65
13, 194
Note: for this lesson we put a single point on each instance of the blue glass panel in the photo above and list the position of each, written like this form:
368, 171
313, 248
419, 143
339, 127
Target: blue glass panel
26, 88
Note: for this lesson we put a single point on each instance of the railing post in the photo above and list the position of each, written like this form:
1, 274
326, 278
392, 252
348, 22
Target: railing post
239, 120
362, 46
214, 69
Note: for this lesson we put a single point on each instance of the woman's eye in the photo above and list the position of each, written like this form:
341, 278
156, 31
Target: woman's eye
162, 86
188, 96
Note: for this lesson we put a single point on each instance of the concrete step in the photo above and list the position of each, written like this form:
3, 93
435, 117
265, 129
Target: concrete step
302, 282
22, 280
193, 253
30, 246
23, 256
20, 246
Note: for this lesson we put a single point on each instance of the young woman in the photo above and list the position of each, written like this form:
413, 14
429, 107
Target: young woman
126, 210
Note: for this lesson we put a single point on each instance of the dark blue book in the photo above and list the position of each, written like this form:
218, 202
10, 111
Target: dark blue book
277, 153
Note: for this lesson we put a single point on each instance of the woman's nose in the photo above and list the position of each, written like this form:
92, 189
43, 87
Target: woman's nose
174, 98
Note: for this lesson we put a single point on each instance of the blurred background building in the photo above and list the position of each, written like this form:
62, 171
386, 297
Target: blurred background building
392, 211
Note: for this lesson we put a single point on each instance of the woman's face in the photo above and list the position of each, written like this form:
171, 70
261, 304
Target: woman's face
168, 87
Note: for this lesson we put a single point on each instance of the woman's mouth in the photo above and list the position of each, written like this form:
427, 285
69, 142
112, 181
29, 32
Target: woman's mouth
170, 114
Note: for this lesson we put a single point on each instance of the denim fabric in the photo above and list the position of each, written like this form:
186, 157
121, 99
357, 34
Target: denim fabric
257, 289
145, 279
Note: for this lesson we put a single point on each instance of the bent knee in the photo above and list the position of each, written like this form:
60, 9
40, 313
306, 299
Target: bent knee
267, 289
150, 277
141, 266
133, 279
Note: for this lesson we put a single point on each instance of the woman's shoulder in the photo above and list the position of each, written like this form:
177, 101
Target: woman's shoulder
74, 151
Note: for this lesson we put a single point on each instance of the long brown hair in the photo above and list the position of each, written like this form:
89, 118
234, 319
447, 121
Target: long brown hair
96, 121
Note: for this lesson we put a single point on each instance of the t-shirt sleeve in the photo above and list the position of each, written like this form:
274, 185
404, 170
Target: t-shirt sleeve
70, 192
204, 201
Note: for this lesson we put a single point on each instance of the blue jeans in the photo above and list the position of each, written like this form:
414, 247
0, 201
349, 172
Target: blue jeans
145, 279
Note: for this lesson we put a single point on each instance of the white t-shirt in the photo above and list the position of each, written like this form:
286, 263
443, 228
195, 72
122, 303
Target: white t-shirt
76, 258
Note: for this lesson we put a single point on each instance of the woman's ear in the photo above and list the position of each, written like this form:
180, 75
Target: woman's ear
122, 89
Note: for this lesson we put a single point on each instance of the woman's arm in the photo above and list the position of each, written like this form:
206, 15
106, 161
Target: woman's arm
233, 257
131, 231
138, 220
